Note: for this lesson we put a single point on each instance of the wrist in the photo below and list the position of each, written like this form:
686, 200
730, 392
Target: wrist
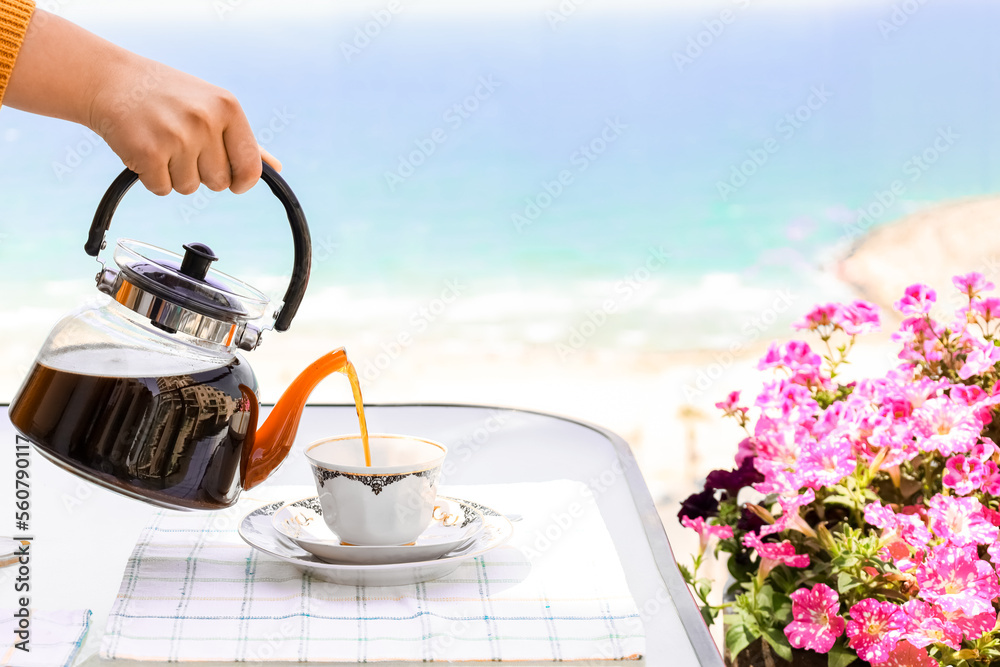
103, 102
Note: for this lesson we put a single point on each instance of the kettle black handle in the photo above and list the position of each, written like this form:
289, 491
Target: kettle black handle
300, 234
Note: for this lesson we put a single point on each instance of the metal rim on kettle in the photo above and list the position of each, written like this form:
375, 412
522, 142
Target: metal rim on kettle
171, 317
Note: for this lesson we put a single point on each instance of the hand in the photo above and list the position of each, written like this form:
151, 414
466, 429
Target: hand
173, 129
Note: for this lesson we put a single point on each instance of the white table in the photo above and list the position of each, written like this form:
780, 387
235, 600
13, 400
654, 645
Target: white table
83, 534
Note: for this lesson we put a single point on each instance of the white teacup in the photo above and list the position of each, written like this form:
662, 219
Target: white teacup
390, 502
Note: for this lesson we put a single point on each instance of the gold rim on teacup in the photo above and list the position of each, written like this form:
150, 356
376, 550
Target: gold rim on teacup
363, 470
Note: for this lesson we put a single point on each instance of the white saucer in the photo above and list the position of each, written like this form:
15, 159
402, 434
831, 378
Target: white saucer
455, 523
257, 531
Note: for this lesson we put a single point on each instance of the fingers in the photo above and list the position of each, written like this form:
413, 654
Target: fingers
266, 156
178, 147
156, 179
215, 170
244, 153
213, 167
184, 174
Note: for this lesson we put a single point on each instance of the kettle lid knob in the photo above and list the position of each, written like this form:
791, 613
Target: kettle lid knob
198, 257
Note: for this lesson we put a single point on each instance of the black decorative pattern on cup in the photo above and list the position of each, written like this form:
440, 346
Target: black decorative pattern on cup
375, 482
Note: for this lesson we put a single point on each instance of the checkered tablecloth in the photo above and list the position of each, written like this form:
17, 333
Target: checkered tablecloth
193, 590
54, 638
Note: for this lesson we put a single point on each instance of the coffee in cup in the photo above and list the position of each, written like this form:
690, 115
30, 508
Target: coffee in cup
389, 502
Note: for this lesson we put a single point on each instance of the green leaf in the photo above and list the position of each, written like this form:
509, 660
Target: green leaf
777, 640
704, 588
840, 655
782, 609
849, 561
843, 501
742, 572
765, 597
685, 573
781, 576
748, 620
708, 614
738, 638
735, 589
846, 582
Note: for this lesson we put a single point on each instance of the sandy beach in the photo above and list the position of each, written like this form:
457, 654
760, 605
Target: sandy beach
929, 247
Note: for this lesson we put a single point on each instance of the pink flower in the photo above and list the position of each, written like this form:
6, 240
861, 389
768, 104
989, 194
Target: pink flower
775, 553
830, 419
790, 518
917, 300
991, 479
907, 655
961, 521
792, 401
982, 359
824, 315
964, 475
988, 309
947, 426
992, 516
898, 552
924, 624
955, 579
984, 450
874, 629
913, 530
900, 532
771, 358
972, 284
827, 463
859, 318
920, 339
706, 531
855, 318
918, 391
778, 450
730, 406
817, 622
976, 398
898, 407
745, 450
879, 516
973, 627
794, 355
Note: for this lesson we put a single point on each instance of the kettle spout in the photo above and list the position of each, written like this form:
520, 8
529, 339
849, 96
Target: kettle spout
266, 448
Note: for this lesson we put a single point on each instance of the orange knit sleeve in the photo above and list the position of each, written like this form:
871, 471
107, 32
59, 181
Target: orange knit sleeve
14, 18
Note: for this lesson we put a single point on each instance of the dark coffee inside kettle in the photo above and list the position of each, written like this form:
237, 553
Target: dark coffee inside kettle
173, 439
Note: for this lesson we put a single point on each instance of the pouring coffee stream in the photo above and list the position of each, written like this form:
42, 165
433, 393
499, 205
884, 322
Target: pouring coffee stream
146, 392
272, 441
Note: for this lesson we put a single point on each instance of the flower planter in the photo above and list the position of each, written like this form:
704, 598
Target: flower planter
862, 519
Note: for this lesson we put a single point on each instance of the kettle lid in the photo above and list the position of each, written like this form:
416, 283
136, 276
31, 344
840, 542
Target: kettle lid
182, 293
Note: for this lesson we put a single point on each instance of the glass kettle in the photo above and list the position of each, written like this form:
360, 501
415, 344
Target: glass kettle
146, 391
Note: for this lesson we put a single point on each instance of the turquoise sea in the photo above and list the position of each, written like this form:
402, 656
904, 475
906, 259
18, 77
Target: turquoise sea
539, 162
